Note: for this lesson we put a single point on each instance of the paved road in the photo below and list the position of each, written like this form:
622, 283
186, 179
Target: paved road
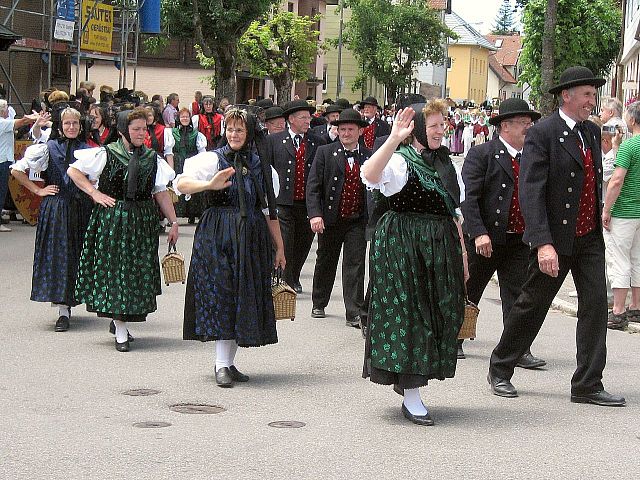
64, 415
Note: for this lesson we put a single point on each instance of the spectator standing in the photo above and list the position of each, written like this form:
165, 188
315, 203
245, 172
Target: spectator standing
610, 108
170, 112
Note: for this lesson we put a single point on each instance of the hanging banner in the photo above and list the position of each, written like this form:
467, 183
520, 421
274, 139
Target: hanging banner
64, 30
66, 10
99, 32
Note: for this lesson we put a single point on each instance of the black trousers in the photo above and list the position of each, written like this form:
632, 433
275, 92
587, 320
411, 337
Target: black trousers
523, 323
297, 237
509, 260
348, 236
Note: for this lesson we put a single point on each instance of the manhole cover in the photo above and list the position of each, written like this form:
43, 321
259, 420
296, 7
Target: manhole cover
196, 408
141, 392
287, 424
151, 424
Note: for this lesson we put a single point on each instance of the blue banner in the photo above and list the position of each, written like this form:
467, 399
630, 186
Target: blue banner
66, 10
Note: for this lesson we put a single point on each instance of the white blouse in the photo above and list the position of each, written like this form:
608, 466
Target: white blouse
395, 176
201, 142
169, 141
204, 166
36, 159
91, 162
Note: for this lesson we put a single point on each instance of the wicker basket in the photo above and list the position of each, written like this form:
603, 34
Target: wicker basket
284, 298
173, 195
468, 329
173, 267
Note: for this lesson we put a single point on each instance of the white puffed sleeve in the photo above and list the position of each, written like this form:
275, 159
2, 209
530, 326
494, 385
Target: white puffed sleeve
195, 121
393, 178
169, 141
90, 161
276, 187
36, 159
202, 166
201, 142
164, 175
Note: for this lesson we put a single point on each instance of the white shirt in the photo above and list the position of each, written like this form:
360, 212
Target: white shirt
6, 140
512, 151
571, 123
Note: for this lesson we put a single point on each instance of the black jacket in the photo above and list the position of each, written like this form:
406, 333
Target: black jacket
489, 182
281, 154
382, 129
551, 177
326, 182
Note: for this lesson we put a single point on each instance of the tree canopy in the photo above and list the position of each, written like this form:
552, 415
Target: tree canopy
281, 47
389, 38
587, 33
504, 23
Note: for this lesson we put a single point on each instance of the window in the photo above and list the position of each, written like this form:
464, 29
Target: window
324, 79
290, 7
498, 43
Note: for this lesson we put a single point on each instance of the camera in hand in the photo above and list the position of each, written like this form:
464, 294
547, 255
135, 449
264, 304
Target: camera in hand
610, 129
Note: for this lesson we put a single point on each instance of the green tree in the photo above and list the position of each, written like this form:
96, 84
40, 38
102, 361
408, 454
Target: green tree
504, 24
389, 38
216, 26
587, 32
281, 47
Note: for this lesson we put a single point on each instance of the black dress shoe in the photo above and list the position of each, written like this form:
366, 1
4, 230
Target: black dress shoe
112, 331
353, 322
297, 288
528, 361
461, 354
62, 324
237, 375
602, 398
223, 378
425, 420
502, 387
363, 326
398, 389
317, 313
122, 347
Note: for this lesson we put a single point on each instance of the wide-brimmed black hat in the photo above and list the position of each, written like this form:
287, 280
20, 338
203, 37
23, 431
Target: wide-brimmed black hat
514, 107
333, 108
350, 116
264, 103
405, 100
297, 106
343, 102
576, 76
273, 112
369, 101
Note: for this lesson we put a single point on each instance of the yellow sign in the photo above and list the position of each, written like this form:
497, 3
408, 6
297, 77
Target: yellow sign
99, 31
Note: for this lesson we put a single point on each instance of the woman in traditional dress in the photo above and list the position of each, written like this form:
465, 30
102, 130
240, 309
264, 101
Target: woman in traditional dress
228, 296
101, 131
158, 137
119, 272
63, 218
417, 261
188, 142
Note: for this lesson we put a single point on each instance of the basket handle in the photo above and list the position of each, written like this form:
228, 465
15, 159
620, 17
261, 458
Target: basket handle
276, 276
174, 248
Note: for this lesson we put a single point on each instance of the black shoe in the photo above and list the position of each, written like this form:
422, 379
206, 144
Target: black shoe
112, 331
353, 322
122, 347
317, 313
529, 361
617, 321
297, 287
223, 378
502, 387
363, 326
237, 376
425, 420
62, 324
398, 389
602, 398
461, 354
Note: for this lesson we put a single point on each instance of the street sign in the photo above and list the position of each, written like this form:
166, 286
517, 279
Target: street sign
64, 30
66, 10
99, 32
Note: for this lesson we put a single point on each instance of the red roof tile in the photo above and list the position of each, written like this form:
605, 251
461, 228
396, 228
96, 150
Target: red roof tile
499, 70
438, 4
509, 51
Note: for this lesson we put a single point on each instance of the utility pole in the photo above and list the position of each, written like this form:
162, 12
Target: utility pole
339, 79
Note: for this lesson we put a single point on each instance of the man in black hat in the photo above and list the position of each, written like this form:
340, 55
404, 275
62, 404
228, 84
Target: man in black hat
561, 203
375, 127
274, 120
337, 211
331, 114
291, 153
493, 224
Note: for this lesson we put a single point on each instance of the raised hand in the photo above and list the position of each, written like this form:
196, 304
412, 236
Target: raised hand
403, 123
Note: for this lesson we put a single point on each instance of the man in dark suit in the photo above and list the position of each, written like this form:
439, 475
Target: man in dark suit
493, 224
291, 153
561, 202
338, 214
375, 126
331, 114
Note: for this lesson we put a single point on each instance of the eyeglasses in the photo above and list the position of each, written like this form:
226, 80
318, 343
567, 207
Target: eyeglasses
236, 130
522, 123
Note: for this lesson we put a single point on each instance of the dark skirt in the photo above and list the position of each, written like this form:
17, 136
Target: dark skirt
228, 293
62, 223
119, 274
417, 300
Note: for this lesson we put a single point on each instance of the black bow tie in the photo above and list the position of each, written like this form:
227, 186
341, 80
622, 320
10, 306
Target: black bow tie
350, 153
518, 157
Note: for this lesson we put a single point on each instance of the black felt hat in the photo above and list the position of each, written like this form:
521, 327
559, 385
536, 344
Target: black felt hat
343, 102
576, 76
333, 108
264, 103
514, 107
369, 101
405, 100
350, 116
273, 112
297, 106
